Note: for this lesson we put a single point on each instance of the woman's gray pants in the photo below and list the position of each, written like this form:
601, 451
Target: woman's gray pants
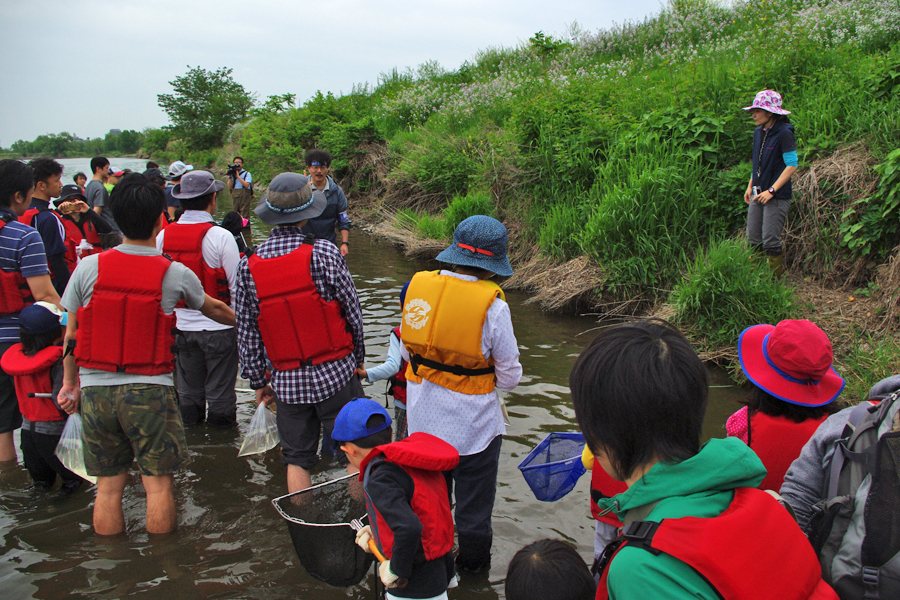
765, 222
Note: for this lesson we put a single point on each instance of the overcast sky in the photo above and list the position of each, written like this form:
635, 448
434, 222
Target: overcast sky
86, 66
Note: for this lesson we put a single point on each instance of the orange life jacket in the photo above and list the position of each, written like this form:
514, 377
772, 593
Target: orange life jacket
443, 319
32, 376
298, 327
184, 242
14, 291
123, 328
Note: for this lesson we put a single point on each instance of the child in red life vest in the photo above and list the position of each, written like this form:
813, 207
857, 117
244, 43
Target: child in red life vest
36, 365
794, 391
406, 496
394, 370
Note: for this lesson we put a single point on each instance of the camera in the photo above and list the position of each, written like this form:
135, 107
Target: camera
233, 170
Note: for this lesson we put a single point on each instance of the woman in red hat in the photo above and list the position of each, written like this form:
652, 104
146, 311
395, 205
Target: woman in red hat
794, 389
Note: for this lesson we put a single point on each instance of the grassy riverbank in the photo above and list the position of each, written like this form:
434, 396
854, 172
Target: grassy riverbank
618, 160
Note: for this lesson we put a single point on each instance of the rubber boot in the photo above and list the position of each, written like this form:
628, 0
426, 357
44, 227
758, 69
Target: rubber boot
756, 253
775, 265
474, 553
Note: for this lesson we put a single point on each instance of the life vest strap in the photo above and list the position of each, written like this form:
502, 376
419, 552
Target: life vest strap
417, 360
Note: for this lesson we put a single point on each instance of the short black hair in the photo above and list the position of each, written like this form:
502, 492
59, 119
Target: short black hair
77, 175
97, 163
152, 165
640, 394
379, 438
32, 343
762, 401
198, 203
44, 168
136, 204
240, 158
316, 155
15, 177
548, 570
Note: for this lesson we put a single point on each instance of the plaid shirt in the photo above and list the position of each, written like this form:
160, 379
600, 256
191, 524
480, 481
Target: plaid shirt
331, 277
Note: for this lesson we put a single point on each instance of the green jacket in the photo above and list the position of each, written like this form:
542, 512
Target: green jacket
698, 487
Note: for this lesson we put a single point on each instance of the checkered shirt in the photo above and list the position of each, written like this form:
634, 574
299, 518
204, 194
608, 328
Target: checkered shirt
331, 277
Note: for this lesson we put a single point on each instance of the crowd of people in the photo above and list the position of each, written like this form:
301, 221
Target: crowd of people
134, 309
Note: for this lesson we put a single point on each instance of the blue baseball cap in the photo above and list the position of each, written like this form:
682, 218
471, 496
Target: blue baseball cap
41, 317
350, 424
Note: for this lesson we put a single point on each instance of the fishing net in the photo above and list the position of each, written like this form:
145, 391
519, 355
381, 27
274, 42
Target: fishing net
552, 469
318, 520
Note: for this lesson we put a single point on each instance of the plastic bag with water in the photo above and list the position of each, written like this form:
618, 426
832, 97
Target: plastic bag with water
262, 434
70, 449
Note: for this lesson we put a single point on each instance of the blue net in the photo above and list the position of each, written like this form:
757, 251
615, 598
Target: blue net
552, 469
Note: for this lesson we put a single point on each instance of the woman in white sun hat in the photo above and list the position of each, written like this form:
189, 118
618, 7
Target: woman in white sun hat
768, 193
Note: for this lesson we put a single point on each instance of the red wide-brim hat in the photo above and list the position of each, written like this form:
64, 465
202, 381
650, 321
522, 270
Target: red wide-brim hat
791, 361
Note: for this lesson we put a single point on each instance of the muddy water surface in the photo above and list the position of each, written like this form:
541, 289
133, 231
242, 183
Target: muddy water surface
231, 543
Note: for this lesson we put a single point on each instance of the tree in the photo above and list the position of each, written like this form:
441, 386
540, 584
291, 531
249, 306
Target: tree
204, 105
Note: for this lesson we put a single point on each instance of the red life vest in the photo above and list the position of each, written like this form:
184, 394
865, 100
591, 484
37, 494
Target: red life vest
130, 334
752, 550
14, 291
32, 376
604, 486
778, 442
184, 242
298, 327
397, 387
73, 240
28, 218
423, 457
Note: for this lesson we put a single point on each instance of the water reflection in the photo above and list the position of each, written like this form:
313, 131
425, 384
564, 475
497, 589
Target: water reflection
231, 543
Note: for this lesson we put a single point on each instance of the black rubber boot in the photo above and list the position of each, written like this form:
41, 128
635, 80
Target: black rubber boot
474, 554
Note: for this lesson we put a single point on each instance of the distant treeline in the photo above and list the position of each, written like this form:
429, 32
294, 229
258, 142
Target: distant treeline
64, 144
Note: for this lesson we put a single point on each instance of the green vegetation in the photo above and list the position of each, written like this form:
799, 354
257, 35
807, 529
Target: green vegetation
726, 290
65, 145
204, 105
629, 146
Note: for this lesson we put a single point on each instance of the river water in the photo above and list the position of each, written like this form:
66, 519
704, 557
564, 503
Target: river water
231, 542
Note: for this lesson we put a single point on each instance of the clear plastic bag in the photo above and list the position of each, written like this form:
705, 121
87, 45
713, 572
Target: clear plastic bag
262, 434
70, 449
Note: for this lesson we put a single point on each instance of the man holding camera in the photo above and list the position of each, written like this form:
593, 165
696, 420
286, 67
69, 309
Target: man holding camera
240, 182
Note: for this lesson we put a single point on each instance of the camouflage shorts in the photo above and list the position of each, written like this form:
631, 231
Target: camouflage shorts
136, 421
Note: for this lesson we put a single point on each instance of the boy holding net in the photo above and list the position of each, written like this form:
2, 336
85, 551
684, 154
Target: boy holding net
406, 497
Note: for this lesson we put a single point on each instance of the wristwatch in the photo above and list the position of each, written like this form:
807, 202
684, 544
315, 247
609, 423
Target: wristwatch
772, 190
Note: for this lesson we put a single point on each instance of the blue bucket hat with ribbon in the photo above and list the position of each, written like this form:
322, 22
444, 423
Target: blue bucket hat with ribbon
480, 242
290, 199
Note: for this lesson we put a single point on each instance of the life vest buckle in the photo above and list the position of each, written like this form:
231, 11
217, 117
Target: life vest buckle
640, 531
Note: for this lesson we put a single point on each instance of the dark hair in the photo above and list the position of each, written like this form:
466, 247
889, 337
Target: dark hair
640, 393
136, 204
548, 570
32, 343
15, 177
240, 158
77, 175
157, 179
198, 203
152, 165
379, 438
764, 402
317, 155
44, 168
97, 163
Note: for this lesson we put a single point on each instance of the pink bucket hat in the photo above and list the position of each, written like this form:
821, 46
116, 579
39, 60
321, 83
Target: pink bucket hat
791, 361
768, 100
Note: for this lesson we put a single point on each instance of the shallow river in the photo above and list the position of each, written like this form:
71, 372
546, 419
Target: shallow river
231, 542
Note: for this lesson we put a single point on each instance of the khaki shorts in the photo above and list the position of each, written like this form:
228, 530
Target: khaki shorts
136, 421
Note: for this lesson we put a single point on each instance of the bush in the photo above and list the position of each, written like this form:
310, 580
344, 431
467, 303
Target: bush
726, 290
